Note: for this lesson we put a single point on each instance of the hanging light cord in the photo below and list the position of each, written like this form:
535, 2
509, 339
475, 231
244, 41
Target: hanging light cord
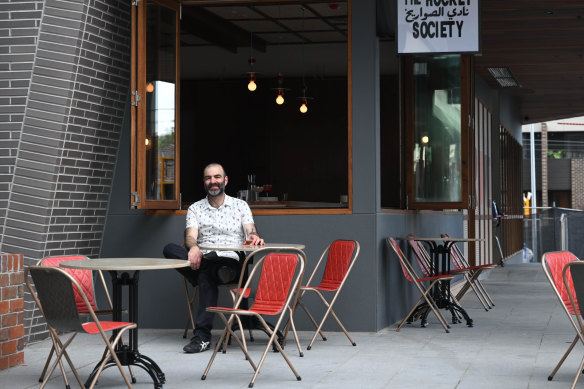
302, 50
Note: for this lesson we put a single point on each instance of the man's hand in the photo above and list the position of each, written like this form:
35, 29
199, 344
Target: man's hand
254, 240
195, 256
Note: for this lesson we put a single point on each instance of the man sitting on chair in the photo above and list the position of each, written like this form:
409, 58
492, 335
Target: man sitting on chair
216, 219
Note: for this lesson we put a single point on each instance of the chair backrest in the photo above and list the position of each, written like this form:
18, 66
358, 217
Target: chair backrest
422, 257
575, 284
406, 267
458, 259
83, 277
274, 287
341, 256
553, 264
55, 296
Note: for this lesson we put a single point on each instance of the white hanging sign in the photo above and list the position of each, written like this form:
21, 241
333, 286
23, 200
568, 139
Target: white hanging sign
438, 26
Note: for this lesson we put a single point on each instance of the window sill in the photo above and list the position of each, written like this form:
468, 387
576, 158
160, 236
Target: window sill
279, 208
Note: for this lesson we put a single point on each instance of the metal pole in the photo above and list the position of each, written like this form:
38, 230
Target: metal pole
564, 232
533, 194
532, 160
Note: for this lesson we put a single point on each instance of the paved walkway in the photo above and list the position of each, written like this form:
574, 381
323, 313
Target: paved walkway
514, 345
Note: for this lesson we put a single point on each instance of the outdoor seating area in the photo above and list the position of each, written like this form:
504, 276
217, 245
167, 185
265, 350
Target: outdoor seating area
514, 345
437, 267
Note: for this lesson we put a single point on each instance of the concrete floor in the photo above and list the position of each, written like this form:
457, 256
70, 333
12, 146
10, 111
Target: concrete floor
514, 345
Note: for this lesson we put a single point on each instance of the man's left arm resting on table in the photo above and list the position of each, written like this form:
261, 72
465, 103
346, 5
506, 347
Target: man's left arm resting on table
252, 234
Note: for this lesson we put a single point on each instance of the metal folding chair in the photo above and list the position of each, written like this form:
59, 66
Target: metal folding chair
279, 276
340, 258
54, 294
426, 265
553, 264
411, 276
573, 278
85, 278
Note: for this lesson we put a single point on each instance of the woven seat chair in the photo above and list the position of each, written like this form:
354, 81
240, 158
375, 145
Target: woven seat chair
85, 278
55, 292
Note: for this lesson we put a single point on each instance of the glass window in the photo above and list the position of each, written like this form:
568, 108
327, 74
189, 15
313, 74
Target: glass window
437, 129
264, 90
438, 140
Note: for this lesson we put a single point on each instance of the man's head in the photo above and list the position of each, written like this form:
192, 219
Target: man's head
214, 180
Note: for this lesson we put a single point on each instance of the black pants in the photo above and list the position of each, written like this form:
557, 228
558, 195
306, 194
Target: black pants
206, 278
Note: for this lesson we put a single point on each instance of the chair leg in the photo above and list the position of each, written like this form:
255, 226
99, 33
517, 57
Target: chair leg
221, 341
110, 346
312, 320
291, 321
47, 363
228, 336
132, 376
409, 313
190, 301
568, 351
329, 311
271, 342
484, 291
578, 373
433, 306
60, 351
479, 294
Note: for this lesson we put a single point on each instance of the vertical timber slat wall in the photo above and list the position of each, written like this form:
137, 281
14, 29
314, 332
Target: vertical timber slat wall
511, 193
75, 82
483, 184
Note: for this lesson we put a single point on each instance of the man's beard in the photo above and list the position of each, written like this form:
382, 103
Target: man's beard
215, 190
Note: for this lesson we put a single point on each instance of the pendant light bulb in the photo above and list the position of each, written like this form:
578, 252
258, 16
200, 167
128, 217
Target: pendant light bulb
303, 108
252, 85
280, 98
150, 87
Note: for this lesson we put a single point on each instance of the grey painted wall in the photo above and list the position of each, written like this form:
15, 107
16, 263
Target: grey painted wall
375, 295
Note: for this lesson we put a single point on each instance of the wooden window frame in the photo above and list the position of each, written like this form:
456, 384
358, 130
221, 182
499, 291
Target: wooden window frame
138, 110
138, 122
467, 98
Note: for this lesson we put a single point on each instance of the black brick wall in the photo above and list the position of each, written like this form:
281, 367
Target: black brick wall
64, 83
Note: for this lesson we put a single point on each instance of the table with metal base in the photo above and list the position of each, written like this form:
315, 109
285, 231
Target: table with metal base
440, 250
126, 272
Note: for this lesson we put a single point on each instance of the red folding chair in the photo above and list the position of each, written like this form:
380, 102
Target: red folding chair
86, 282
411, 276
573, 279
340, 258
279, 277
54, 294
553, 264
426, 265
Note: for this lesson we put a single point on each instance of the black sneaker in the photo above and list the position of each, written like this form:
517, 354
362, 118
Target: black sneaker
226, 274
197, 345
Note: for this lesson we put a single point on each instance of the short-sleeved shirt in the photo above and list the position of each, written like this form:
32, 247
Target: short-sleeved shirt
220, 226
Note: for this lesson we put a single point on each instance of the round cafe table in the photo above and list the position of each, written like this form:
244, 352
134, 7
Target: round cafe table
125, 272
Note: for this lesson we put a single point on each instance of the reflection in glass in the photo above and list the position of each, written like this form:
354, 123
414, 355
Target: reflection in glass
160, 103
437, 129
